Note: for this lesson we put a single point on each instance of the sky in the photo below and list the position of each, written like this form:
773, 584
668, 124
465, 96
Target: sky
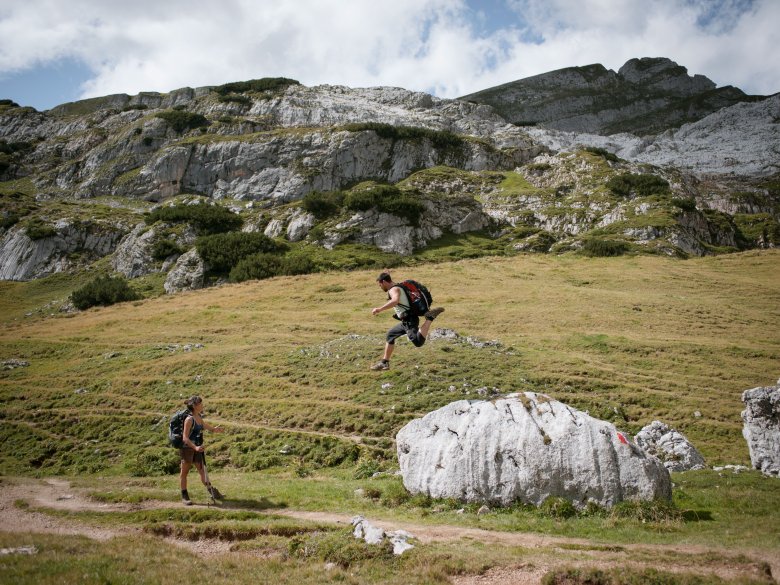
53, 51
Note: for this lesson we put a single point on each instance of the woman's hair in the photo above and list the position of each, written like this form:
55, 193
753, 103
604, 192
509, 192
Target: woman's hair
191, 402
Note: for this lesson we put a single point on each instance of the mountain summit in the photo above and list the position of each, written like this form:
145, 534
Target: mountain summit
646, 96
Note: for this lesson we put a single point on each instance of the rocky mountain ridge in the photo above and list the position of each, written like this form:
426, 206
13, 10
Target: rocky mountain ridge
645, 97
77, 180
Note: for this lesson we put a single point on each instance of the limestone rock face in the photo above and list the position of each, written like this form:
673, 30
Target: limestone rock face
526, 447
762, 427
187, 274
22, 258
133, 256
670, 446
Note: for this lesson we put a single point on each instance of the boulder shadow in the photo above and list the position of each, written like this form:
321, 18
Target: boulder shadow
697, 516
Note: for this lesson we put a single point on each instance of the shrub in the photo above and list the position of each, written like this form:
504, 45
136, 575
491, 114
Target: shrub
235, 98
388, 199
596, 247
440, 139
37, 229
260, 266
206, 219
223, 251
339, 547
323, 205
366, 468
8, 219
180, 120
687, 204
5, 162
556, 507
642, 185
270, 84
162, 249
103, 290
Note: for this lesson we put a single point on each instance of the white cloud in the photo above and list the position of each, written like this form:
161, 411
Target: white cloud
429, 45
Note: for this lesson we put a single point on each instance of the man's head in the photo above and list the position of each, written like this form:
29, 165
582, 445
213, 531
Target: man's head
385, 281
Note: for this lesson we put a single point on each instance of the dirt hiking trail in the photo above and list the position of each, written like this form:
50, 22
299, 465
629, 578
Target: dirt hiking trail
58, 494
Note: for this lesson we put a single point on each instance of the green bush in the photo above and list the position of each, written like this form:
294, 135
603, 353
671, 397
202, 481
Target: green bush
387, 199
687, 204
339, 547
260, 266
37, 229
5, 162
235, 98
556, 507
8, 219
440, 139
162, 249
323, 205
223, 251
180, 120
366, 468
395, 494
270, 84
206, 219
103, 290
597, 247
642, 185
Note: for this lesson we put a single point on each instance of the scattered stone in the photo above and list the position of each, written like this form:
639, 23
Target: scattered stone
386, 385
80, 391
670, 446
14, 363
360, 493
286, 450
111, 355
525, 447
762, 427
375, 535
483, 510
732, 468
697, 414
19, 550
330, 566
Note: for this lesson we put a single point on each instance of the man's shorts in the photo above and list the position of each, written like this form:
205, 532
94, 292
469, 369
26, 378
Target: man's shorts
191, 456
408, 327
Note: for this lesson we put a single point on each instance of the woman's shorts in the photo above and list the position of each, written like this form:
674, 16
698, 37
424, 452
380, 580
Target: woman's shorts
191, 455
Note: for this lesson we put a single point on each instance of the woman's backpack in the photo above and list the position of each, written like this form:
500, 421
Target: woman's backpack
176, 428
420, 298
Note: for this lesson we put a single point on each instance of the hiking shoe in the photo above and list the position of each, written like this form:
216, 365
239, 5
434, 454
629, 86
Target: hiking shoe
215, 493
381, 365
433, 313
186, 501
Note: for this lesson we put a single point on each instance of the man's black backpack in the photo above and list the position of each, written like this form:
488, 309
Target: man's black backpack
176, 428
420, 298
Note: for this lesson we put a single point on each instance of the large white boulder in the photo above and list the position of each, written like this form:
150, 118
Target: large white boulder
762, 427
670, 446
188, 273
526, 447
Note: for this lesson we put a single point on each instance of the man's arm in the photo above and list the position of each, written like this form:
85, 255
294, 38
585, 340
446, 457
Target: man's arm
395, 298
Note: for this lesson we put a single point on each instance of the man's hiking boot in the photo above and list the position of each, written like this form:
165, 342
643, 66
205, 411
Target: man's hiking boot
381, 365
215, 493
433, 313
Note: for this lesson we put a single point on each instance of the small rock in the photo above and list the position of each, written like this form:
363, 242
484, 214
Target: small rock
697, 414
19, 550
286, 450
360, 493
483, 510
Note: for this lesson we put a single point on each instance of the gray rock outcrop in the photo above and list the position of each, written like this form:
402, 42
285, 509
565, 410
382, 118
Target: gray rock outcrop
526, 447
71, 243
398, 539
762, 427
670, 446
188, 273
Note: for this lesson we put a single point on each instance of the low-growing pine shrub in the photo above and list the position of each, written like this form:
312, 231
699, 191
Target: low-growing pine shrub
602, 152
206, 219
265, 84
180, 120
37, 229
223, 251
162, 249
642, 185
103, 290
323, 204
597, 247
264, 265
687, 204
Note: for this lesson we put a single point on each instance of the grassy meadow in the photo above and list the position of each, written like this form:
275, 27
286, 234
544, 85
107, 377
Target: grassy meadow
283, 364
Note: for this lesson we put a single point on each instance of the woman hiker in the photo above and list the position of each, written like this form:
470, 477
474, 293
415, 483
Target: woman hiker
192, 451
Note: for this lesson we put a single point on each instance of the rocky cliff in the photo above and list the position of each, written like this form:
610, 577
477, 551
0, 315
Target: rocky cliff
399, 169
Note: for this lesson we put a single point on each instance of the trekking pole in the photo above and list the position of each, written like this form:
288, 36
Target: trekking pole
208, 481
